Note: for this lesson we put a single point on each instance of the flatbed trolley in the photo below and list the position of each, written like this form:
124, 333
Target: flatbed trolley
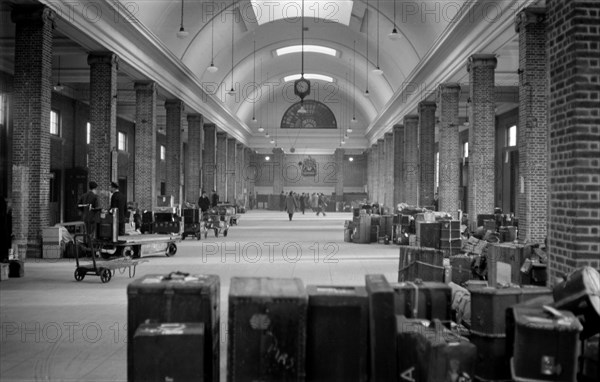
216, 222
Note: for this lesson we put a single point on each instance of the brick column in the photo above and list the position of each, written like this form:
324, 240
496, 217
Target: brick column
240, 184
411, 159
426, 153
482, 136
31, 134
339, 165
209, 158
369, 153
194, 160
381, 171
375, 154
103, 153
278, 162
532, 142
449, 148
250, 171
221, 166
175, 109
230, 170
574, 91
398, 164
145, 145
388, 139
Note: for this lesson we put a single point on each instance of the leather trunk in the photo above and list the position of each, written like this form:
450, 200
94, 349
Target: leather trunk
426, 300
432, 353
176, 298
337, 334
428, 234
169, 352
267, 329
504, 255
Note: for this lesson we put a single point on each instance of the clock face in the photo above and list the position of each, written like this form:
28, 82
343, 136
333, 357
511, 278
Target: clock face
302, 88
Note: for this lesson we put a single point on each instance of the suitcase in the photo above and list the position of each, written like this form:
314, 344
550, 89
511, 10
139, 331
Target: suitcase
382, 345
493, 364
16, 268
176, 298
267, 329
363, 230
508, 234
580, 294
460, 304
374, 236
504, 260
420, 263
169, 352
421, 271
489, 304
337, 334
546, 344
482, 217
428, 352
428, 234
108, 227
426, 300
461, 268
191, 215
589, 362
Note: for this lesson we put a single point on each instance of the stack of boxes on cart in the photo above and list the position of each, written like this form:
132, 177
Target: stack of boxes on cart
412, 330
165, 218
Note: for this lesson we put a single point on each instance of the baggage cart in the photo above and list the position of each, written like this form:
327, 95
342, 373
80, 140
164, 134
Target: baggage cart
216, 222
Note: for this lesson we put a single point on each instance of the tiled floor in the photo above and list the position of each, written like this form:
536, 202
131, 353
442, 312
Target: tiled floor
56, 329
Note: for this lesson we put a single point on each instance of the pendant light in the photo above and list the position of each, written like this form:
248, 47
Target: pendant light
394, 35
302, 110
254, 121
354, 84
378, 70
182, 33
212, 68
261, 128
232, 90
367, 59
349, 129
58, 87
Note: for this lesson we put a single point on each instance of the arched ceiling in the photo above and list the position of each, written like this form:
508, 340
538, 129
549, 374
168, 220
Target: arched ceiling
435, 38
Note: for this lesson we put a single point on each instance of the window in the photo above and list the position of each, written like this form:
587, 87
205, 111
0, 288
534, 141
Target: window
466, 149
163, 188
511, 136
88, 133
307, 49
122, 141
163, 152
54, 122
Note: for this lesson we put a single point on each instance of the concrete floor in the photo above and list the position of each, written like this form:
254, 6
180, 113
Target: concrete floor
56, 329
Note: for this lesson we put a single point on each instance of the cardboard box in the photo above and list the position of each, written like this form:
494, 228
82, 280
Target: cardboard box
51, 251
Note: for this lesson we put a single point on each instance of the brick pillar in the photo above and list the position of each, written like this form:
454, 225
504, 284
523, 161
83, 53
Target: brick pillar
240, 184
532, 142
411, 159
339, 165
194, 160
230, 170
221, 166
574, 91
175, 109
426, 153
103, 120
398, 164
482, 136
449, 148
369, 153
381, 171
278, 163
145, 145
31, 134
388, 139
209, 158
375, 154
250, 172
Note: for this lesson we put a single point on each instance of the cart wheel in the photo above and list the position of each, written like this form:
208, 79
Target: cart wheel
171, 250
105, 275
216, 233
225, 233
79, 274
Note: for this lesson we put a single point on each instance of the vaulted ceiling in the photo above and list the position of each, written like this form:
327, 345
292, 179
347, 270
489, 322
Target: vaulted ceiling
435, 40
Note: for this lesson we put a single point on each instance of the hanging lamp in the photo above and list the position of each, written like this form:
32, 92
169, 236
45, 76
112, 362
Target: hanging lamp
367, 59
354, 84
261, 128
232, 90
302, 85
254, 120
394, 35
58, 87
378, 70
182, 33
212, 68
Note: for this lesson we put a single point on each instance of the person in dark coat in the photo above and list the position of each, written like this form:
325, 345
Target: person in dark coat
302, 203
290, 205
321, 204
203, 202
118, 200
88, 207
214, 198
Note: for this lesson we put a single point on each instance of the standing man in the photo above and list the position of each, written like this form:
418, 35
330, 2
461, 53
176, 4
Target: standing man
204, 202
88, 208
321, 204
214, 198
302, 202
251, 200
290, 205
118, 200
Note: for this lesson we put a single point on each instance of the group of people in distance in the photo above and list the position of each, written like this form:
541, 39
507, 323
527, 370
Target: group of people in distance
89, 208
300, 202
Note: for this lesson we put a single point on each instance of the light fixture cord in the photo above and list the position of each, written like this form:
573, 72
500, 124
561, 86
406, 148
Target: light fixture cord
394, 14
212, 36
354, 81
182, 14
367, 60
302, 67
254, 79
232, 32
378, 34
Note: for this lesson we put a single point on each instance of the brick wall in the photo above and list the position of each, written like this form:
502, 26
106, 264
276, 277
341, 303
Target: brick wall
278, 175
381, 171
481, 136
532, 130
450, 149
389, 169
145, 145
221, 165
339, 169
194, 157
574, 120
411, 159
231, 169
398, 165
175, 111
31, 135
209, 158
426, 153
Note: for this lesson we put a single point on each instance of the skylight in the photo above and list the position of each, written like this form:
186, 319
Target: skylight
307, 49
266, 11
308, 76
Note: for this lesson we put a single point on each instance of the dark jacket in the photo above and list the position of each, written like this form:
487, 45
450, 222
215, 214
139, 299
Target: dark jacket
290, 204
118, 200
204, 203
88, 203
215, 200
